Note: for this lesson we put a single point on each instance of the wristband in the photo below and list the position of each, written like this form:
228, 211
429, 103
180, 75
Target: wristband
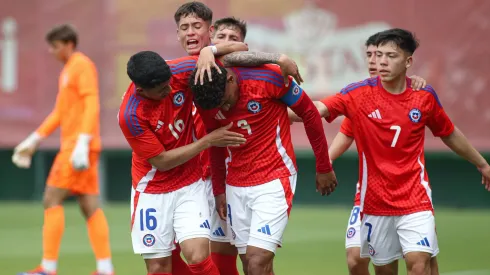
214, 49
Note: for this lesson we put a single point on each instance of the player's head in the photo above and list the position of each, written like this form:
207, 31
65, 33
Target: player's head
371, 54
222, 92
194, 27
150, 74
229, 29
62, 40
394, 53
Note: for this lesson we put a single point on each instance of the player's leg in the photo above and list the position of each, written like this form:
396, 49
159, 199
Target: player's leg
355, 264
179, 266
379, 242
418, 239
271, 203
86, 185
191, 225
152, 232
223, 253
55, 193
434, 266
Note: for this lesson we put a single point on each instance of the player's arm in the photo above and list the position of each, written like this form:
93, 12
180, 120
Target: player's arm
254, 59
441, 126
322, 109
89, 93
342, 141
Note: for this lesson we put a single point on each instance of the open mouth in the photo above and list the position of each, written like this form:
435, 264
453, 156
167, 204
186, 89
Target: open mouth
192, 43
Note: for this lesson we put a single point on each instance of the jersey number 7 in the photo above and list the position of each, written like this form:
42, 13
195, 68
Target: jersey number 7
398, 129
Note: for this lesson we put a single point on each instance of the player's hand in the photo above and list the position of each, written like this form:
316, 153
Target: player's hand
289, 68
222, 137
220, 201
326, 183
485, 173
204, 64
418, 82
23, 152
80, 156
22, 160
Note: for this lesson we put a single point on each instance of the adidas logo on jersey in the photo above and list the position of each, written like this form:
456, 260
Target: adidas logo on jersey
159, 125
265, 229
219, 116
375, 114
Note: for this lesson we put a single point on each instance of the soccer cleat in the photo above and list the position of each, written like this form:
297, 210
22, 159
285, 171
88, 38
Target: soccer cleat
37, 271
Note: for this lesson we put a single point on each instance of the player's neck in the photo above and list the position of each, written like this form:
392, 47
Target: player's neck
68, 56
395, 86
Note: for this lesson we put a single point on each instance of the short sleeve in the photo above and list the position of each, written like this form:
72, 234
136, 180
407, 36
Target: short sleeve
138, 134
438, 121
346, 127
336, 105
182, 69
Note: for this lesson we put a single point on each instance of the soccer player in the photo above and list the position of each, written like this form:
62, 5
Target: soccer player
194, 32
342, 141
388, 121
261, 174
74, 171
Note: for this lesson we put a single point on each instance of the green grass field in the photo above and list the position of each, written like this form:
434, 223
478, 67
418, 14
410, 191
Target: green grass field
314, 241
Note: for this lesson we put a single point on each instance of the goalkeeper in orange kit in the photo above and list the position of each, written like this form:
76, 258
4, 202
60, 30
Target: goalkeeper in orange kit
74, 171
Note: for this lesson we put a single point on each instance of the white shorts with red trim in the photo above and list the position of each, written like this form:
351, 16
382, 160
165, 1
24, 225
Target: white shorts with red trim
258, 215
159, 219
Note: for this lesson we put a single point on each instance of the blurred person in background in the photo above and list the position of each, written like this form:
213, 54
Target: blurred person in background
75, 168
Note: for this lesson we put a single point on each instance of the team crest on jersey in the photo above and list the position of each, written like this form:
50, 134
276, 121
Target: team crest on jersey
254, 106
351, 232
148, 240
179, 99
415, 115
371, 250
296, 90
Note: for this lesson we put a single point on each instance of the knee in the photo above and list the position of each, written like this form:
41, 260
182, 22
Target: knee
155, 266
51, 200
357, 265
198, 255
420, 268
257, 264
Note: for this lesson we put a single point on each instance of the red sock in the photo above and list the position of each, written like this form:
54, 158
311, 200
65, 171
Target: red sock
226, 264
205, 267
178, 265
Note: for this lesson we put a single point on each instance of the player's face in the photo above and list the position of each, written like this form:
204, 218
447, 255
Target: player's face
392, 62
60, 50
371, 60
227, 33
156, 93
193, 34
231, 94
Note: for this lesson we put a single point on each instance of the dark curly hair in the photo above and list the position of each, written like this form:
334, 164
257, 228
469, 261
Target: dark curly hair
148, 69
210, 94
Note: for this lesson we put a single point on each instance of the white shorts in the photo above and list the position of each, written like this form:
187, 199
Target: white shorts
159, 219
218, 226
353, 233
258, 215
387, 238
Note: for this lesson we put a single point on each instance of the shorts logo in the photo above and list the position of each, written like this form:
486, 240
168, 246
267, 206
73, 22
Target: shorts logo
179, 99
415, 115
296, 90
351, 232
371, 250
149, 240
254, 106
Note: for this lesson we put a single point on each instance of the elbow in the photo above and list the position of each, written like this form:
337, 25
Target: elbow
161, 163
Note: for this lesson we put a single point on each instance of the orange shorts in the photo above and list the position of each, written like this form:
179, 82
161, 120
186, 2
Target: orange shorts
62, 175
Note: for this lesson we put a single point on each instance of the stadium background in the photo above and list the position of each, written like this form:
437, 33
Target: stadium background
326, 40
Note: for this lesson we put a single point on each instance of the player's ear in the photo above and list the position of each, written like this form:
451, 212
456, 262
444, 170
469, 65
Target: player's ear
230, 78
409, 62
177, 32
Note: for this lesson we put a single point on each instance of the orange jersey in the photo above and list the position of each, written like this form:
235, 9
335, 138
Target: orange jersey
77, 105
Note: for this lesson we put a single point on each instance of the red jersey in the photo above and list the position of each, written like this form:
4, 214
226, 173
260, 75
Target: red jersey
150, 127
200, 133
260, 114
389, 131
346, 129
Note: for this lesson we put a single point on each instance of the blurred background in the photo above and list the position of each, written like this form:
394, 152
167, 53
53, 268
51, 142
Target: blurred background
326, 39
